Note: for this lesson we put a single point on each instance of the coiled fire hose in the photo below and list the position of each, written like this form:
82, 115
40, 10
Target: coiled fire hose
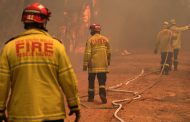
137, 95
117, 102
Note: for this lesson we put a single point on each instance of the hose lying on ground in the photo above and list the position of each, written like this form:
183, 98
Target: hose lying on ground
117, 103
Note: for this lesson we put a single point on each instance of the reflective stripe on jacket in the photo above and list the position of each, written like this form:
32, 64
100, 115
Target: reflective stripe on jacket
38, 69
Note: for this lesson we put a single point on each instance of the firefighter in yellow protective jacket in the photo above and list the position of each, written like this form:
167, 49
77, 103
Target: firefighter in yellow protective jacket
35, 69
164, 45
177, 42
96, 60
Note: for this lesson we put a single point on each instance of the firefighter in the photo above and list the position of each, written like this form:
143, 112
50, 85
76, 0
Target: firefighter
37, 69
177, 42
164, 45
96, 60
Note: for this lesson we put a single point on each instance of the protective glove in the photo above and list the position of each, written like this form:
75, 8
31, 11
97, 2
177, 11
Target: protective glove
3, 118
84, 68
77, 114
108, 63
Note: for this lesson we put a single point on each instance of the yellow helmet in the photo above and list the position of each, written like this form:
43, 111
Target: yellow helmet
172, 22
165, 23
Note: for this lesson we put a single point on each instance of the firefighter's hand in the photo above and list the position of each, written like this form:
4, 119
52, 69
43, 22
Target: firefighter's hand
3, 118
77, 114
155, 51
108, 63
84, 68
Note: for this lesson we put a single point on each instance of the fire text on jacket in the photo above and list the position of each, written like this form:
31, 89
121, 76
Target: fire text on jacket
34, 47
98, 41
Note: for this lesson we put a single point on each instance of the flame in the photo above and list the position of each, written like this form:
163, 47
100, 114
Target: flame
94, 2
77, 33
86, 15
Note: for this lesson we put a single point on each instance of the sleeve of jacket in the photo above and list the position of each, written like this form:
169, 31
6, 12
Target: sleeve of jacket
4, 79
157, 43
180, 29
67, 80
87, 54
108, 52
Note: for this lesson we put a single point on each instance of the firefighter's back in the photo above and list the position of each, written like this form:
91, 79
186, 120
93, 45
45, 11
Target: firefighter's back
33, 60
165, 37
99, 48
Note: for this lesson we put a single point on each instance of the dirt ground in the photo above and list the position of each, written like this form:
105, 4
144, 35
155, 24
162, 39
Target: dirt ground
163, 98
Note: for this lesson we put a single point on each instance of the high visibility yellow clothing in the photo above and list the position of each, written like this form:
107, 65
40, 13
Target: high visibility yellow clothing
177, 42
37, 69
164, 40
97, 54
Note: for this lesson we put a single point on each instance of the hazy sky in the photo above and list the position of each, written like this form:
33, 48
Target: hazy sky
135, 23
128, 23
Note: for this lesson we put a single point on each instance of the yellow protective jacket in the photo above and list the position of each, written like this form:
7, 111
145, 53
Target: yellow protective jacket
36, 68
164, 40
177, 42
97, 54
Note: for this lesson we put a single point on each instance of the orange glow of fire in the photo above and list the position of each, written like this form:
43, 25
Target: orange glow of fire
86, 15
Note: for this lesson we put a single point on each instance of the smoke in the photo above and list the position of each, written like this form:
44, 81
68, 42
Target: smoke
129, 24
134, 24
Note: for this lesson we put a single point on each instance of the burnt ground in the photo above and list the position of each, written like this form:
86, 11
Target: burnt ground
164, 98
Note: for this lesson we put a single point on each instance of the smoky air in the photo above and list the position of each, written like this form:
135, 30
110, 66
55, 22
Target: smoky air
128, 24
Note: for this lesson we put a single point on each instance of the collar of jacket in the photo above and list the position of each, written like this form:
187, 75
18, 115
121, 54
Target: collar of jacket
34, 31
29, 32
96, 34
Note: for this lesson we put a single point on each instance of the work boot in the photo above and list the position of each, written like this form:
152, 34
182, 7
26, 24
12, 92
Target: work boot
166, 72
167, 69
103, 99
91, 96
175, 66
162, 70
90, 100
102, 94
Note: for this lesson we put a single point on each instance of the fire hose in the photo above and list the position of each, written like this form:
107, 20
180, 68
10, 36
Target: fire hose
136, 95
117, 102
